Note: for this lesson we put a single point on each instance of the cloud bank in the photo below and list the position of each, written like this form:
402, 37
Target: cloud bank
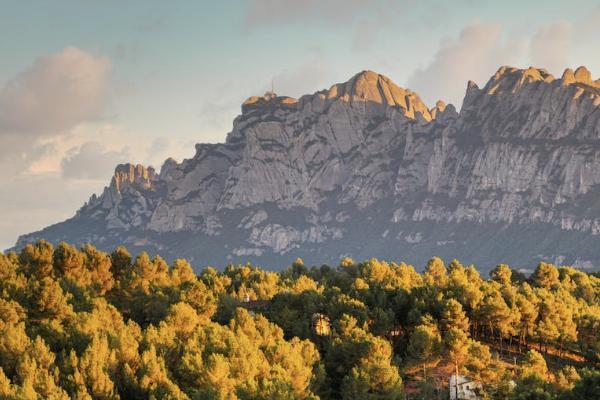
364, 19
477, 52
50, 153
550, 46
55, 94
92, 160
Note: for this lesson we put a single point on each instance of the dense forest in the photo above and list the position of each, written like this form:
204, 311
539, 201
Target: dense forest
84, 324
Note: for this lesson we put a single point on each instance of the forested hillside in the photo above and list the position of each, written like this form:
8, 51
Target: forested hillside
84, 324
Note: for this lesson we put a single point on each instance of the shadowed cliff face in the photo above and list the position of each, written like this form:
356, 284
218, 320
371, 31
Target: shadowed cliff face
365, 168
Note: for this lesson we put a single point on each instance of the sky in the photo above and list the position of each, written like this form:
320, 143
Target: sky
88, 84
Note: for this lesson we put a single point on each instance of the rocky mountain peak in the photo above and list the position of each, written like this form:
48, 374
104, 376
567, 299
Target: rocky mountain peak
371, 87
365, 87
169, 165
511, 79
358, 170
439, 108
269, 101
520, 89
581, 75
129, 174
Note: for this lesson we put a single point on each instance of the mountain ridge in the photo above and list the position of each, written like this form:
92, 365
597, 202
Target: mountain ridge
301, 175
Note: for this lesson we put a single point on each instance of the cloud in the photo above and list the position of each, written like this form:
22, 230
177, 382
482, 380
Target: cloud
475, 55
481, 48
53, 178
158, 145
591, 23
313, 74
364, 18
550, 46
223, 104
585, 32
265, 12
29, 203
162, 148
55, 94
92, 160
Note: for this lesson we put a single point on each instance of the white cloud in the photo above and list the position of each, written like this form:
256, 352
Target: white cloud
42, 112
51, 180
550, 46
55, 94
92, 160
365, 19
477, 53
481, 48
47, 153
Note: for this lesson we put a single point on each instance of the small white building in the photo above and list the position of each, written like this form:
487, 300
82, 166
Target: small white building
464, 388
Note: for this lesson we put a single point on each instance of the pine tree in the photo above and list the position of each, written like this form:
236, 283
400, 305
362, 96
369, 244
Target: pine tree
453, 316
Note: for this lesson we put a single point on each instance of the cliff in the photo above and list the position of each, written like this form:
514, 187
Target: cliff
366, 169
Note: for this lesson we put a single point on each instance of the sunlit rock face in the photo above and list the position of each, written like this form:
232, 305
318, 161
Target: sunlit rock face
366, 169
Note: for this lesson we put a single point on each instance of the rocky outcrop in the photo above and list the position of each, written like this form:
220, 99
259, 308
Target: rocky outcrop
130, 199
365, 168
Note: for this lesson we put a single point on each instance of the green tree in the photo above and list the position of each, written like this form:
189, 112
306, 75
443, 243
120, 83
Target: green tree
502, 274
588, 387
456, 346
36, 259
424, 346
534, 365
435, 273
121, 262
360, 364
546, 275
453, 316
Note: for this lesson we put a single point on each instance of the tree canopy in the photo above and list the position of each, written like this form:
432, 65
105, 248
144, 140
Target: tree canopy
83, 324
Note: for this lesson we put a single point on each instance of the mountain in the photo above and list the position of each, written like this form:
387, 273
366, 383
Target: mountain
367, 169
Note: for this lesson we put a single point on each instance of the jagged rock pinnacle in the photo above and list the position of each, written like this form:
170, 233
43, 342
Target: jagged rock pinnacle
581, 75
130, 174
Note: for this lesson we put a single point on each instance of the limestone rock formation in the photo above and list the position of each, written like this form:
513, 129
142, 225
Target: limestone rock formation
366, 169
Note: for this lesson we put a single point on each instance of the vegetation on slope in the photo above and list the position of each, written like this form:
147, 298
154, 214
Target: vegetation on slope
83, 324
